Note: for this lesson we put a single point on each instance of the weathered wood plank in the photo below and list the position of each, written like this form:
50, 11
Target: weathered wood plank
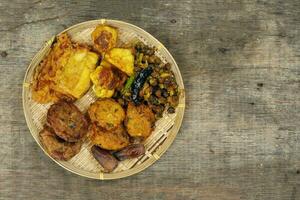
241, 133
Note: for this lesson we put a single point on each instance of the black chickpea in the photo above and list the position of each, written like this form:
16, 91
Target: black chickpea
160, 90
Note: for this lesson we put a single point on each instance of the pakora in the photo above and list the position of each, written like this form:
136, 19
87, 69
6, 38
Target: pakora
106, 79
67, 121
104, 38
122, 58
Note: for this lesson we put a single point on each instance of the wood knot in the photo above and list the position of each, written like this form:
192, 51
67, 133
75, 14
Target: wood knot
173, 21
223, 50
4, 54
260, 84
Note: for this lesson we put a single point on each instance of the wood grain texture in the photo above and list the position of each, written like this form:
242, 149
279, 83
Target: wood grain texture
240, 62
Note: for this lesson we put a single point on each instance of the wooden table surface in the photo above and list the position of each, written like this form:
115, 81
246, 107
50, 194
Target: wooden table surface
240, 138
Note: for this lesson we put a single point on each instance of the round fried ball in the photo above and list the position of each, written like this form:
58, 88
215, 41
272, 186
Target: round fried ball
56, 147
67, 121
107, 113
139, 120
111, 140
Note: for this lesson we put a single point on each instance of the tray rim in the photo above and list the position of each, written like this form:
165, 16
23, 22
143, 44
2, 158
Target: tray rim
159, 152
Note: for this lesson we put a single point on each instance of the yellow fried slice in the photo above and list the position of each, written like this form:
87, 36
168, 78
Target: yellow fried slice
111, 140
104, 38
102, 92
107, 113
121, 58
139, 120
106, 79
99, 88
74, 77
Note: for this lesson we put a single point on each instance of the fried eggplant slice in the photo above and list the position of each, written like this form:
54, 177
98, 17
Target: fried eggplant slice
104, 38
107, 113
56, 147
111, 140
67, 121
122, 58
139, 120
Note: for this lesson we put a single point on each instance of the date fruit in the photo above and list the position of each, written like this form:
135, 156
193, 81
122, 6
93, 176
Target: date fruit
105, 159
131, 151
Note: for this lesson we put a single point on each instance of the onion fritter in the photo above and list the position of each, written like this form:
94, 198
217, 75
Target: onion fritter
67, 121
139, 120
56, 147
111, 140
106, 113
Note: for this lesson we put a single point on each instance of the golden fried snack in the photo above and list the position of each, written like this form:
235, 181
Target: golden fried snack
74, 77
56, 147
67, 121
139, 120
111, 140
104, 38
64, 73
107, 113
106, 79
42, 88
122, 58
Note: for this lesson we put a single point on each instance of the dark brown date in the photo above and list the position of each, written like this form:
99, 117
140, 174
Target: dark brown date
105, 159
131, 151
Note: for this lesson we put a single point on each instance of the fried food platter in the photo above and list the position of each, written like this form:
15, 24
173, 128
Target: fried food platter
161, 132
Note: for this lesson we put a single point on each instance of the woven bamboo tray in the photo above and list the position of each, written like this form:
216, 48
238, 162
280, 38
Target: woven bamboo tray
83, 163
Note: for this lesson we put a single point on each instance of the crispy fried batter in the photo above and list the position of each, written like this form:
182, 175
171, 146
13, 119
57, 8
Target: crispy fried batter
111, 78
67, 121
42, 90
122, 58
106, 79
111, 140
106, 113
104, 38
56, 147
64, 72
74, 77
139, 120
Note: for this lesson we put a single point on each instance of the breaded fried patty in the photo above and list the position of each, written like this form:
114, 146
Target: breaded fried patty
67, 121
139, 120
110, 140
56, 147
106, 113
